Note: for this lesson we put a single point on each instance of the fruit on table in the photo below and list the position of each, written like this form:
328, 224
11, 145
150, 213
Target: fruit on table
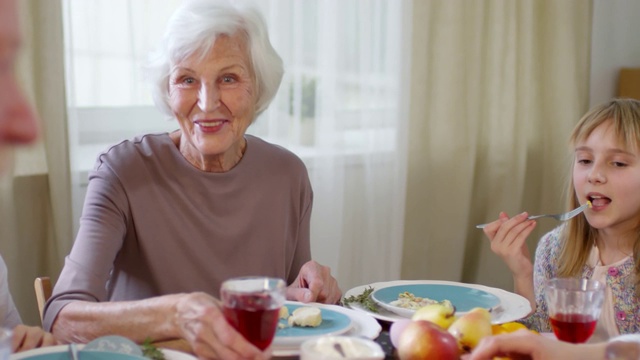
506, 328
441, 314
396, 329
424, 340
471, 327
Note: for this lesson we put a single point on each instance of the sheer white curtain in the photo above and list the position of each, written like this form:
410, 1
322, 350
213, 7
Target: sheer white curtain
497, 87
341, 107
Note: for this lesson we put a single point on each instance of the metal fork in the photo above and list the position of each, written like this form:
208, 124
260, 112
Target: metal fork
560, 217
73, 352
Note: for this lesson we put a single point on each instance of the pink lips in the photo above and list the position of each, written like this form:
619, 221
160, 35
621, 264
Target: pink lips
210, 126
598, 201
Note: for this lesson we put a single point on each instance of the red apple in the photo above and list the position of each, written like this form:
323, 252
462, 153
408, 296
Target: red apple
397, 327
424, 340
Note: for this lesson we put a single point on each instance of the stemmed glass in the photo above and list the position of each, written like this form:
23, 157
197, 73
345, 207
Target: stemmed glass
252, 306
574, 307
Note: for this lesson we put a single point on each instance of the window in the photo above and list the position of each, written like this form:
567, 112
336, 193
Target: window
339, 95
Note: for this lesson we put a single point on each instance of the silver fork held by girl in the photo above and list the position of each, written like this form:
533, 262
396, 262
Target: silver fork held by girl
560, 217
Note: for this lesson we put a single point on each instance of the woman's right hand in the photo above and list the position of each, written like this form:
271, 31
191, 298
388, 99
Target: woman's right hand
200, 319
508, 240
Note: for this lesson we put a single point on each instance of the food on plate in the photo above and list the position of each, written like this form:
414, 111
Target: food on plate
425, 340
396, 328
471, 327
364, 299
151, 351
407, 300
306, 316
441, 313
284, 313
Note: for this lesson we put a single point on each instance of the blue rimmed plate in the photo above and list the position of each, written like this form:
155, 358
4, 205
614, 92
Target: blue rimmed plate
61, 352
464, 298
333, 323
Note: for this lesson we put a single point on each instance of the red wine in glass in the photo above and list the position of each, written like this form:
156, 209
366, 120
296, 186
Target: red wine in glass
573, 328
254, 317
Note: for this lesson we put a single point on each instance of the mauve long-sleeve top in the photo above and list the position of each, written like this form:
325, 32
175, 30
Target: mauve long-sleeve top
153, 224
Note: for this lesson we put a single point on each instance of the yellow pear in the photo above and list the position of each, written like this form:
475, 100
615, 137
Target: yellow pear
441, 314
471, 327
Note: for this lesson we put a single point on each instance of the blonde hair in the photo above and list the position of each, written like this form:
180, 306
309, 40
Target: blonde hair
579, 236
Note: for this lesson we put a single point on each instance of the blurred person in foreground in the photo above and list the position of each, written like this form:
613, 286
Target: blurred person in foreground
18, 125
168, 217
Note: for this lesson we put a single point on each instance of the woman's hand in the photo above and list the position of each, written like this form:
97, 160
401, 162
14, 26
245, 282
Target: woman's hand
314, 284
200, 319
508, 240
524, 344
30, 337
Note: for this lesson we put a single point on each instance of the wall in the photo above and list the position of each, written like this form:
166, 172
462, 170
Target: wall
615, 43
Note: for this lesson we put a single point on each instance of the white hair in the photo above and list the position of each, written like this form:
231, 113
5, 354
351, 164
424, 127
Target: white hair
194, 28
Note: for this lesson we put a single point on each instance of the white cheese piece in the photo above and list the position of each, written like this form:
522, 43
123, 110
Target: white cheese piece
306, 316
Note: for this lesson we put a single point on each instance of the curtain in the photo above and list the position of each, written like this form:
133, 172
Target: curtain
341, 108
497, 86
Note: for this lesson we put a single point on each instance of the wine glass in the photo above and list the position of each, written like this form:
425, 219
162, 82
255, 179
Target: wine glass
574, 307
252, 306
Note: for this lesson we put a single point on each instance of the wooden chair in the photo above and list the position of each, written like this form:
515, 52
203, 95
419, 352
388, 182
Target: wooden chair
42, 286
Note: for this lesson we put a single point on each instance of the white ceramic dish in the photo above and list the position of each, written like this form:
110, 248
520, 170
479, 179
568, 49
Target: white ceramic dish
464, 297
512, 306
363, 325
169, 354
333, 323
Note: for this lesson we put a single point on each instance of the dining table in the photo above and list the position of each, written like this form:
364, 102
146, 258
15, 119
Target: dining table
376, 324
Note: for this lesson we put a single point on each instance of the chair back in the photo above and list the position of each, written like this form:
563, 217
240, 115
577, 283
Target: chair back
42, 286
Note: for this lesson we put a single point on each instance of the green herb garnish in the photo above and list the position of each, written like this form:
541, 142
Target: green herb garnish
363, 299
151, 351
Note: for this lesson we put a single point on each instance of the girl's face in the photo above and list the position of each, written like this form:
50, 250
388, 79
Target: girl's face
608, 175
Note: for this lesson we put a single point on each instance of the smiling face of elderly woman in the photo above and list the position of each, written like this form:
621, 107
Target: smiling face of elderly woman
213, 97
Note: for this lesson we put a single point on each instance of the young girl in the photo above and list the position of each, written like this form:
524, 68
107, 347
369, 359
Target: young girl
604, 242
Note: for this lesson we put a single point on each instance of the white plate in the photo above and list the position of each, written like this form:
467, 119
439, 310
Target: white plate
333, 323
512, 306
363, 324
464, 297
169, 354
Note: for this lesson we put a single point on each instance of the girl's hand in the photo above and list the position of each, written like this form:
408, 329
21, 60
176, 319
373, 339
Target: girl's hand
200, 319
524, 344
508, 240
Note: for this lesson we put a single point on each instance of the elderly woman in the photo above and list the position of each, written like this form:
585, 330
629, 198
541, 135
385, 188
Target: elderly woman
169, 217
